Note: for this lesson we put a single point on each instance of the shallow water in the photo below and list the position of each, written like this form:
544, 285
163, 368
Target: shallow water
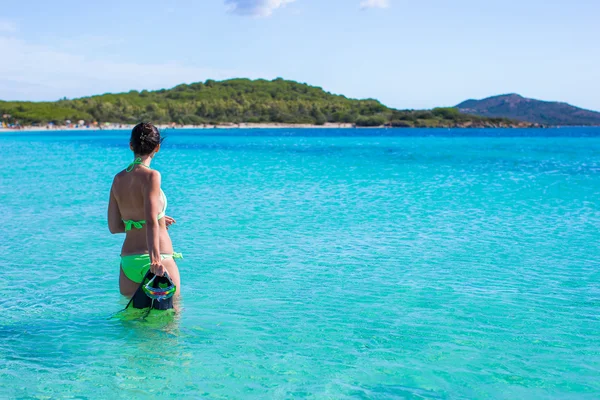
369, 264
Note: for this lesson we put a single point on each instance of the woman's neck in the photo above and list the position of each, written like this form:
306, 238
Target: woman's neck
146, 160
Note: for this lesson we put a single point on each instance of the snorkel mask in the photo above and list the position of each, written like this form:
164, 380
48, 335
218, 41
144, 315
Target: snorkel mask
158, 293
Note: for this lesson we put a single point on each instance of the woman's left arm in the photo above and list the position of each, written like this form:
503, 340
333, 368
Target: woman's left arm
115, 223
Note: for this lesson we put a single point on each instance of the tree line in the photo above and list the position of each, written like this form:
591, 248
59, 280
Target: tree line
230, 101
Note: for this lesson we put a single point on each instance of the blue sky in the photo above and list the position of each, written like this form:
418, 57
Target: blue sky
408, 54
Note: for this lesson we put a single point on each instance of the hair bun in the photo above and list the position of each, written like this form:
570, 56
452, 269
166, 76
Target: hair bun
145, 138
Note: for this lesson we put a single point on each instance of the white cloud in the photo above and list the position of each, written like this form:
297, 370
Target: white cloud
258, 8
374, 4
7, 26
41, 72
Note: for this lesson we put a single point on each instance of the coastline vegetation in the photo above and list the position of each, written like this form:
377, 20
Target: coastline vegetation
234, 101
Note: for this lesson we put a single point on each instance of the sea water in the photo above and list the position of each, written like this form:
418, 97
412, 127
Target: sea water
325, 264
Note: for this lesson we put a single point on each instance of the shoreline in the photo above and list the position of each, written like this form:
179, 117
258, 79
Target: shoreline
245, 125
173, 126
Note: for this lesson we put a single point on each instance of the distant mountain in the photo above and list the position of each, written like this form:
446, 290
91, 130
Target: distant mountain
517, 107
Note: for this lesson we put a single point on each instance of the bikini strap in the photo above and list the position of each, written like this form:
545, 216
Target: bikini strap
137, 161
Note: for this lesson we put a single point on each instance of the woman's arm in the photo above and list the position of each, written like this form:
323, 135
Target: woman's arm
152, 208
115, 223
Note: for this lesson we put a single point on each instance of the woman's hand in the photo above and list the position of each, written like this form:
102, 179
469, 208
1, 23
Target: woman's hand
157, 268
169, 221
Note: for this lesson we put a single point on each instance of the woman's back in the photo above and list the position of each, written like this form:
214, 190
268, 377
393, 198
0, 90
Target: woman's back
130, 188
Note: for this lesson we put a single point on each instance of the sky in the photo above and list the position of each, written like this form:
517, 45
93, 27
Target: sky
407, 54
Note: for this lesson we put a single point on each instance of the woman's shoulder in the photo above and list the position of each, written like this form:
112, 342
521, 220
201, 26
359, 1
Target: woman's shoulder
119, 176
141, 174
147, 178
154, 177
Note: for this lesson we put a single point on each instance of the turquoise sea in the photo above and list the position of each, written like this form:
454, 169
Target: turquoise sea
323, 264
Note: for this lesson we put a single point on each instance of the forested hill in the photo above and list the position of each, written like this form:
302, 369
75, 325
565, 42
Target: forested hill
234, 101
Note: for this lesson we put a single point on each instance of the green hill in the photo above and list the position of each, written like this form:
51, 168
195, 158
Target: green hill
535, 111
235, 101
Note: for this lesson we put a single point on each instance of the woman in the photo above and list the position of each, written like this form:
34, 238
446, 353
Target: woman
137, 208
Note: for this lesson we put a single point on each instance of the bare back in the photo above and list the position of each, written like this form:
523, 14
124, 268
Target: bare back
130, 192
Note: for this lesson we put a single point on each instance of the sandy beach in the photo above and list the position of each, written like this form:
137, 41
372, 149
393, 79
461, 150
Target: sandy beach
73, 127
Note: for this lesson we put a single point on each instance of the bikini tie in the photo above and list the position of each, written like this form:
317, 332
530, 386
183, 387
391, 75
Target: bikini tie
137, 161
136, 224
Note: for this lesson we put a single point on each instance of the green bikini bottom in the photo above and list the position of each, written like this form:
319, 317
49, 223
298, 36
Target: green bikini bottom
136, 266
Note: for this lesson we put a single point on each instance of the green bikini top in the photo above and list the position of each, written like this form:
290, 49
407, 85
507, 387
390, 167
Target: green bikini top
129, 224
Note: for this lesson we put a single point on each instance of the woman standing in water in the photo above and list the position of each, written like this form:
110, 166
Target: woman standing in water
137, 208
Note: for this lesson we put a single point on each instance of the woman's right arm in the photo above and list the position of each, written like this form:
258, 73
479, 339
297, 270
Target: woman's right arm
152, 208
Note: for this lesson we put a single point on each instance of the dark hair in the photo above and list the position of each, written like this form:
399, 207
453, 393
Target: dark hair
145, 138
